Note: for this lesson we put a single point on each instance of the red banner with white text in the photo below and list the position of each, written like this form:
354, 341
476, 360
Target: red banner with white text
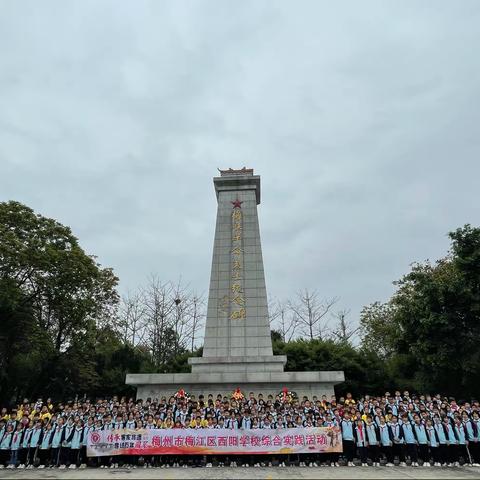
214, 441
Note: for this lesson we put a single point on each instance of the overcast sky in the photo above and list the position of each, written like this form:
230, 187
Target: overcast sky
362, 118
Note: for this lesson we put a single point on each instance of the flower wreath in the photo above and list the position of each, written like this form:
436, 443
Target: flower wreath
182, 395
237, 394
287, 396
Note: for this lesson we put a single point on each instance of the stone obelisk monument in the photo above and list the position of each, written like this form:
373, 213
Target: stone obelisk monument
237, 346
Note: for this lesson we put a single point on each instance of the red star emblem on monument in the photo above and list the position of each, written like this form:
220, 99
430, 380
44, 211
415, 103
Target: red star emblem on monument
237, 203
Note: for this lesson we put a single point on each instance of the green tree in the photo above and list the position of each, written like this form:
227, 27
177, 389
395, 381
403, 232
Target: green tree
378, 329
52, 296
364, 371
428, 332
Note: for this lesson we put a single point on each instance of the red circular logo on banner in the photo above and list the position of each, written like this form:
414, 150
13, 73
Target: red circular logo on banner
95, 437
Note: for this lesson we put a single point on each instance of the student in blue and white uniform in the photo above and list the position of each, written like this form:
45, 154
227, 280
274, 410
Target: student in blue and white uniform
57, 439
5, 445
474, 444
386, 441
407, 433
442, 440
373, 436
65, 447
118, 423
361, 441
131, 423
433, 443
452, 442
46, 445
76, 444
422, 441
398, 446
35, 439
348, 439
89, 427
462, 445
15, 445
24, 451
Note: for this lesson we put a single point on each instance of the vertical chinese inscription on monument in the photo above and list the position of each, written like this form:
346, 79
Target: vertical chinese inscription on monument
237, 299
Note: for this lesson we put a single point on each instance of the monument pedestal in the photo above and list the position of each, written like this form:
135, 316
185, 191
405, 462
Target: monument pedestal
237, 349
268, 383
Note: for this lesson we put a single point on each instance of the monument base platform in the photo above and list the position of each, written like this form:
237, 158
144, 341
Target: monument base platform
156, 385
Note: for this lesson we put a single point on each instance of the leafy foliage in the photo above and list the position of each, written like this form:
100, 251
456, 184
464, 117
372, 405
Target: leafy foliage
364, 371
428, 332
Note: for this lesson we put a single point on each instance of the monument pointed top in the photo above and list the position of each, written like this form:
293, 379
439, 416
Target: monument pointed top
232, 172
235, 180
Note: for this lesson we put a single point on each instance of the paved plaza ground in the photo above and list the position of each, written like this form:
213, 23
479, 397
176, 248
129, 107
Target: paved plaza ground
246, 473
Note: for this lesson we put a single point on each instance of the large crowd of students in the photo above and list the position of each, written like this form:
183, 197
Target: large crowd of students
376, 430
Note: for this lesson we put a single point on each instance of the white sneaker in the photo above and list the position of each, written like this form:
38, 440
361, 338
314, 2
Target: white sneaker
351, 464
364, 464
9, 467
208, 465
390, 465
456, 464
336, 464
403, 464
62, 467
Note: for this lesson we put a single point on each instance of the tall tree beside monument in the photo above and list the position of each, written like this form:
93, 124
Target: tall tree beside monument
52, 296
428, 332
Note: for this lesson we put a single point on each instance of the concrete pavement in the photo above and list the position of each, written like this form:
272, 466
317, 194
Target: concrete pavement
247, 473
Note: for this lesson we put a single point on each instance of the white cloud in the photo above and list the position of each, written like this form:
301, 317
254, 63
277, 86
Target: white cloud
361, 117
